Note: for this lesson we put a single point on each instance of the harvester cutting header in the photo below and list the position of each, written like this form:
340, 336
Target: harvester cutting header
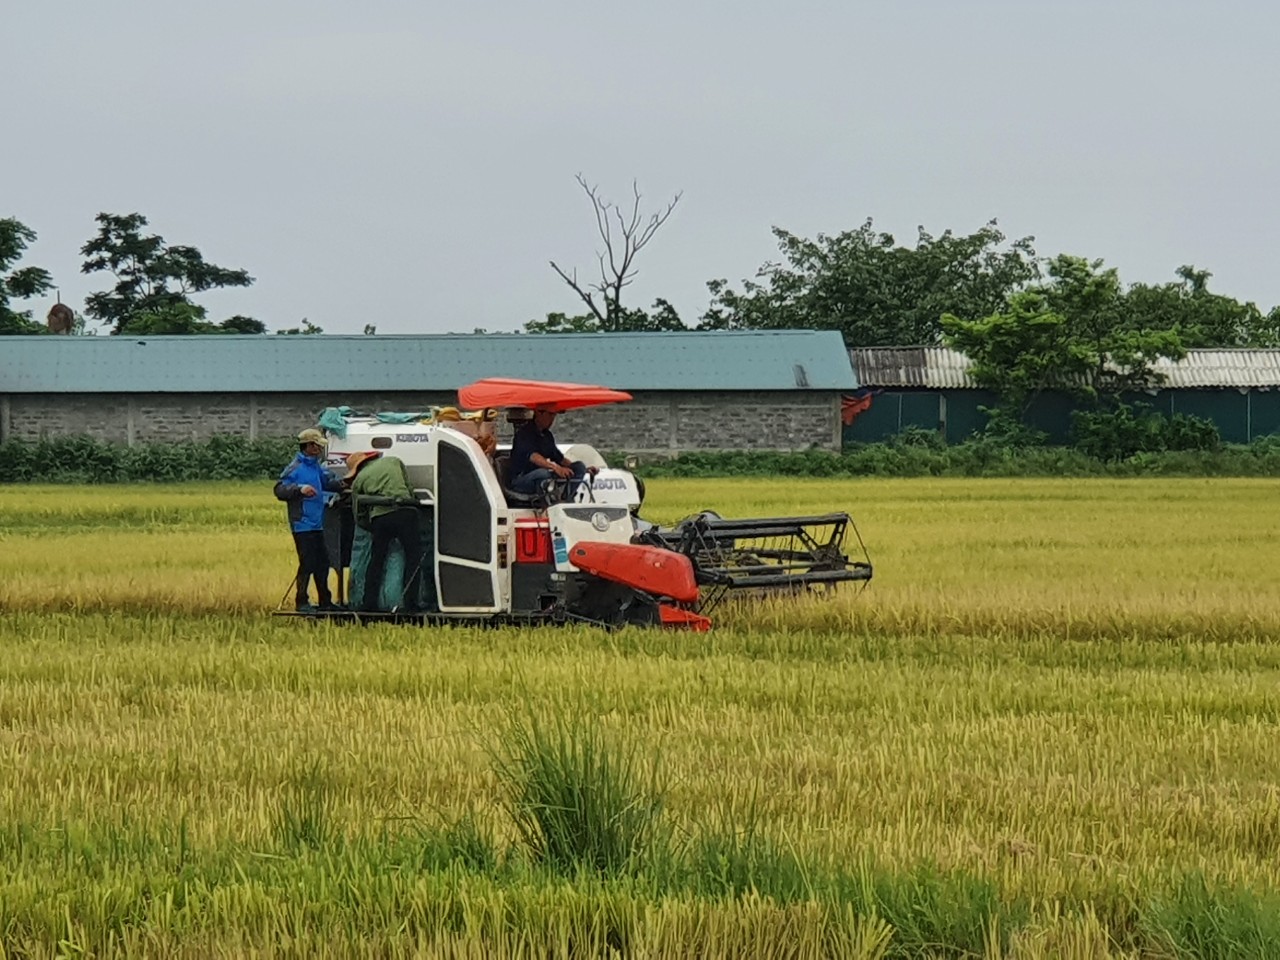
534, 532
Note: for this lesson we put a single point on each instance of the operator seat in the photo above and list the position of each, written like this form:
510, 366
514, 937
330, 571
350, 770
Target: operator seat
502, 467
554, 491
517, 417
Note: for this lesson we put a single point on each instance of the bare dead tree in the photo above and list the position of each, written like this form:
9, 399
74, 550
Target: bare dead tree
624, 234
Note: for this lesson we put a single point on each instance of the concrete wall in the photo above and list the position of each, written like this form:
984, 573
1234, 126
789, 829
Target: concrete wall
658, 422
695, 420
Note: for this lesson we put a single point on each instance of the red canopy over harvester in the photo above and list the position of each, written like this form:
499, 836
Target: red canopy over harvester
537, 394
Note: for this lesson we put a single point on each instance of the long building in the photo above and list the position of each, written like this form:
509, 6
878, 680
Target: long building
931, 387
776, 390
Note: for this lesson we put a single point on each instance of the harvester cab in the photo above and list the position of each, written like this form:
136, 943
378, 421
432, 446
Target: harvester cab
565, 552
571, 551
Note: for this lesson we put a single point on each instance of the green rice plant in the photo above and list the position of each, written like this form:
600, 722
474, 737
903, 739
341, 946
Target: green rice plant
304, 817
1195, 920
578, 800
466, 840
732, 854
941, 913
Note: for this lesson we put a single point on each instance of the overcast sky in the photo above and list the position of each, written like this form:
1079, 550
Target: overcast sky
411, 164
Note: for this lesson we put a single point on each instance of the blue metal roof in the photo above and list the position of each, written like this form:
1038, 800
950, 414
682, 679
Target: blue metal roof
719, 360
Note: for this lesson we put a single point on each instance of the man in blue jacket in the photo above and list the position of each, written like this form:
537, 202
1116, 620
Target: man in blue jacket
302, 486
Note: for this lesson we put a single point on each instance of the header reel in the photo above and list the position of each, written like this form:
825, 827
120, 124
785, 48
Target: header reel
764, 556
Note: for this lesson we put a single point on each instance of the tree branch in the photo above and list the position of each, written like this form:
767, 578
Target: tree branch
572, 281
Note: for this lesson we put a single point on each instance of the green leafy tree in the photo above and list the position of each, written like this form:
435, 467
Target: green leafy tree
875, 292
186, 318
242, 324
564, 323
307, 328
1202, 318
20, 283
1070, 333
662, 317
1121, 346
1020, 352
154, 280
168, 318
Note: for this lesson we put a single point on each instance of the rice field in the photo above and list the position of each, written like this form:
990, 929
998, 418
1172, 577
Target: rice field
1048, 728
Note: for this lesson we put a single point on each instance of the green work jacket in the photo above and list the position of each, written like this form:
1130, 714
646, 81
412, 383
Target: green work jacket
385, 479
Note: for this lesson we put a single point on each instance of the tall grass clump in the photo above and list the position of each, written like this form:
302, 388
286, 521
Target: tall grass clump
305, 815
578, 801
1197, 920
956, 913
466, 841
732, 854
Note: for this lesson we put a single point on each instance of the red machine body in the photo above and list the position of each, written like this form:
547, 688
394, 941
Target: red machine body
662, 573
679, 617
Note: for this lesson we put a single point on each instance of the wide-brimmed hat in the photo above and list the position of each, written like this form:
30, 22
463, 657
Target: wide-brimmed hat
358, 460
312, 435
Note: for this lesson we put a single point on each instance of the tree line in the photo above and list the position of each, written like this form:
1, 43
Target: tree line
878, 292
861, 282
1029, 323
152, 293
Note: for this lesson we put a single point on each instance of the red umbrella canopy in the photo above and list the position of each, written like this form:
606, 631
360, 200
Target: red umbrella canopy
539, 394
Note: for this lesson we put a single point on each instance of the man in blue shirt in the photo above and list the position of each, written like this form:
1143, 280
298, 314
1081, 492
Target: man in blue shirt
302, 486
535, 458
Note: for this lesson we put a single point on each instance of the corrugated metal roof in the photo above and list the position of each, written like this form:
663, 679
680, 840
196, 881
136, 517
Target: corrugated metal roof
890, 366
940, 368
720, 360
1223, 368
935, 367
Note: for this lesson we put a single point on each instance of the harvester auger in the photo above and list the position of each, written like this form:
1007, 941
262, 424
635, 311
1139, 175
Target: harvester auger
576, 551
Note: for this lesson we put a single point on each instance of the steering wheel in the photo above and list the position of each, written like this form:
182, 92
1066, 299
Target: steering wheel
573, 489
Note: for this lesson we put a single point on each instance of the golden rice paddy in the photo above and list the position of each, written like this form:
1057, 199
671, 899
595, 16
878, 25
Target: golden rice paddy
1064, 693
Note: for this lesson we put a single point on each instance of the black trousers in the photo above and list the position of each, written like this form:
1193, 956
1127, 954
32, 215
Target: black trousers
400, 526
313, 562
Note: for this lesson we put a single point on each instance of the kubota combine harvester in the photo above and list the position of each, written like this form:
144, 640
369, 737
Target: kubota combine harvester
574, 551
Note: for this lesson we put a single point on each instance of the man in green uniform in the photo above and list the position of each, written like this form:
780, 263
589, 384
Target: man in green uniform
385, 505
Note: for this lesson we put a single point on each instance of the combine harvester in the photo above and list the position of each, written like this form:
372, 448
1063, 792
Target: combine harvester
574, 551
